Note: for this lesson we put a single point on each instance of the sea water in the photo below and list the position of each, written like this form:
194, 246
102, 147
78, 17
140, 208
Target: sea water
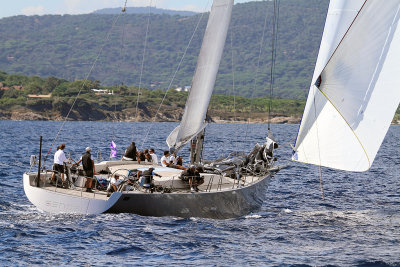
357, 223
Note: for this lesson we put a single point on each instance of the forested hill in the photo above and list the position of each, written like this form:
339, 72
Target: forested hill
144, 10
65, 46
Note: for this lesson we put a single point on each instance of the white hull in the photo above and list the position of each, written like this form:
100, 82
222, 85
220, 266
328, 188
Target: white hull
59, 202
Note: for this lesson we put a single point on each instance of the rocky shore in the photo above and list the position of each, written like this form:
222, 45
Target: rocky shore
129, 115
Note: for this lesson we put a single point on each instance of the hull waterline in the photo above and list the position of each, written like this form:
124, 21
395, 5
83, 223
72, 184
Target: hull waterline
217, 205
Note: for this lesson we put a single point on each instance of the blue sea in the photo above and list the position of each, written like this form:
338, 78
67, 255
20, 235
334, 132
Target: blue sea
357, 224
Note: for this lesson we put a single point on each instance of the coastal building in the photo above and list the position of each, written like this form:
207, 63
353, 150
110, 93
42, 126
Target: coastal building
39, 96
18, 87
103, 92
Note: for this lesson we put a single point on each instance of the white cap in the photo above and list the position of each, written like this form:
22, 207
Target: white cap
88, 149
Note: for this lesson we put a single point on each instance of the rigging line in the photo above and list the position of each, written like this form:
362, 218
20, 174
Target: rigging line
233, 86
173, 77
319, 149
233, 77
143, 59
119, 74
257, 66
275, 28
83, 84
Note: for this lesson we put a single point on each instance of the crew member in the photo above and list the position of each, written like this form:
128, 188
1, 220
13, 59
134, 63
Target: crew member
59, 159
88, 168
130, 152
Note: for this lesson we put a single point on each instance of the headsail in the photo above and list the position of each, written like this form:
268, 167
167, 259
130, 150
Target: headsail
355, 88
204, 78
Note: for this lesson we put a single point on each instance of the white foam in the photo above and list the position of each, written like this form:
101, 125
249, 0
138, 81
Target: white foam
254, 216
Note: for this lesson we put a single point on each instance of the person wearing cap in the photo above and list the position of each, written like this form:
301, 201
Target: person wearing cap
88, 168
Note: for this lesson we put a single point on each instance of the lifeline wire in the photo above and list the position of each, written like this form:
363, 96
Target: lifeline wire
83, 84
173, 77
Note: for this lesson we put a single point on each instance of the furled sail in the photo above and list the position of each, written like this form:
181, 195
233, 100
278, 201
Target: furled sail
204, 78
355, 90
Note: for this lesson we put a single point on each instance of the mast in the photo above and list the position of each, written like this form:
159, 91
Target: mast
196, 148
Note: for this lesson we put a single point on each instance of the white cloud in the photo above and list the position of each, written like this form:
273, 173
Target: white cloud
33, 10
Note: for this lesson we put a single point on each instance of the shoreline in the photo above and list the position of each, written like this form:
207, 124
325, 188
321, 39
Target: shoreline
28, 115
256, 121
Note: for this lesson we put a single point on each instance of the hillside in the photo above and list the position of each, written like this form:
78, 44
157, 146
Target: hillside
65, 46
144, 10
35, 98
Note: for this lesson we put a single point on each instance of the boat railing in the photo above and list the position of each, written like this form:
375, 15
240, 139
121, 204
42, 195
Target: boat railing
217, 182
209, 185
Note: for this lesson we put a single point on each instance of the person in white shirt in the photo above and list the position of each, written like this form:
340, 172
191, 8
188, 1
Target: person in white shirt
167, 162
154, 158
59, 159
114, 183
173, 158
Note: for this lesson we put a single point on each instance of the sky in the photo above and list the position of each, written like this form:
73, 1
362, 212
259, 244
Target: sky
41, 7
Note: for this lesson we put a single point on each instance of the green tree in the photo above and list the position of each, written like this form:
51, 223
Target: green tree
51, 83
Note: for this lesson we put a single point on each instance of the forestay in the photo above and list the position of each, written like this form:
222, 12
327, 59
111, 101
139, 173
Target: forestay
204, 78
355, 88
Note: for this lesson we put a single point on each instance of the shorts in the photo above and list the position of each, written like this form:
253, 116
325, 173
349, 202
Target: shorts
59, 168
89, 173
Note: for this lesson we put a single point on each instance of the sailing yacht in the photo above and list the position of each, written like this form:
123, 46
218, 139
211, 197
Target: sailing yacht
232, 187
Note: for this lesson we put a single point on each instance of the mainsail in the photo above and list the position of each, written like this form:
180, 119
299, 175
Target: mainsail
204, 78
355, 90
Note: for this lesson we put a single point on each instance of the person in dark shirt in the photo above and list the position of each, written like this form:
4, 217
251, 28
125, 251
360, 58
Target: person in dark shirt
130, 152
88, 168
192, 176
148, 178
142, 157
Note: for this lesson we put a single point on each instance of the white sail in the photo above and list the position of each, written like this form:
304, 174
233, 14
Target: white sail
354, 96
204, 78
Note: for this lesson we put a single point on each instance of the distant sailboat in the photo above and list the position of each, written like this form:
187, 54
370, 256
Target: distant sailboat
355, 89
233, 187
